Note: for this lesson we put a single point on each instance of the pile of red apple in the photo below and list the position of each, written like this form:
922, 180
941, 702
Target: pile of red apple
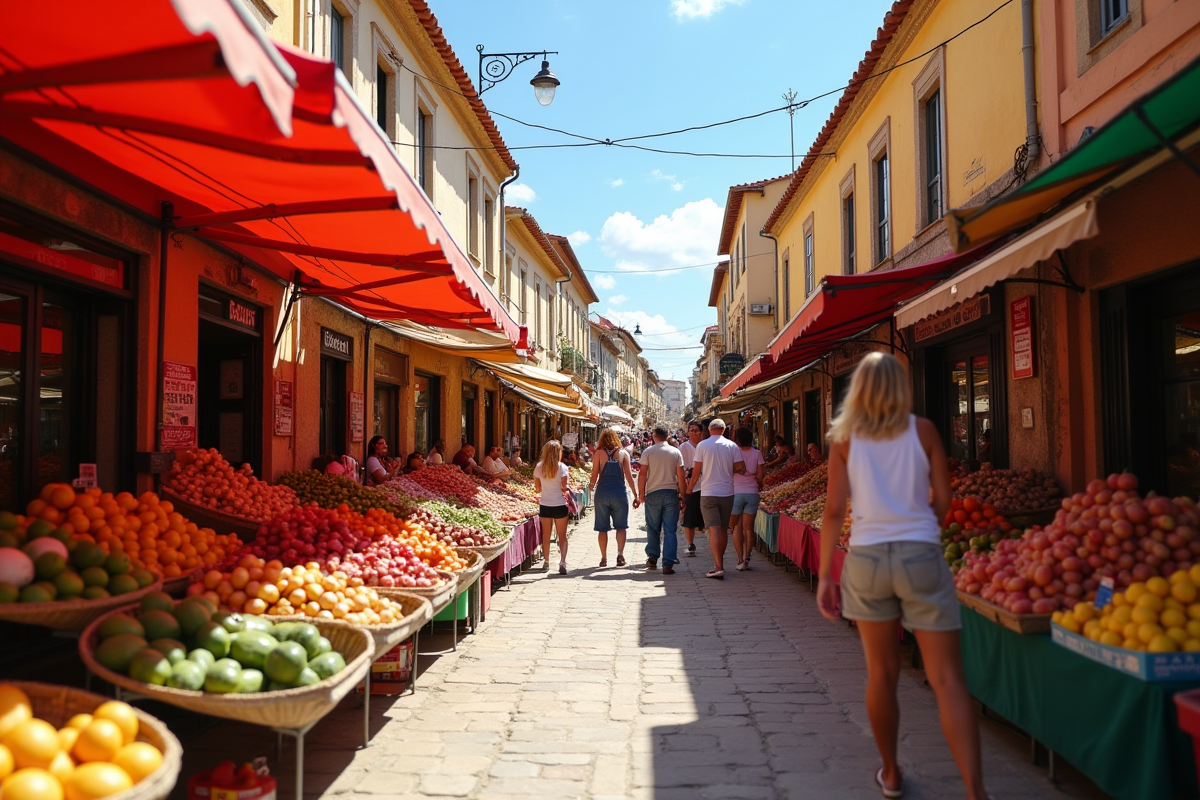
447, 481
1009, 489
306, 533
1109, 530
384, 562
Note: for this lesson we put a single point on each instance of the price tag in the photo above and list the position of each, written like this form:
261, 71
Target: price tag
1104, 594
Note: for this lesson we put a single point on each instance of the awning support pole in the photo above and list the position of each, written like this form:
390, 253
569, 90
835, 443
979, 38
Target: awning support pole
164, 239
1067, 282
287, 311
1140, 113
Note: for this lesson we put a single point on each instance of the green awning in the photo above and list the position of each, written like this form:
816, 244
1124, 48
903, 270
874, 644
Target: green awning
1166, 114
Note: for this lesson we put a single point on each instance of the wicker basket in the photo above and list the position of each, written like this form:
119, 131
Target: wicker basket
438, 596
177, 587
207, 517
417, 613
287, 708
475, 566
57, 704
490, 552
70, 615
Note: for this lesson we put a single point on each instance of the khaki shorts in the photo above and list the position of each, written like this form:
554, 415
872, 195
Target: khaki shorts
906, 580
716, 510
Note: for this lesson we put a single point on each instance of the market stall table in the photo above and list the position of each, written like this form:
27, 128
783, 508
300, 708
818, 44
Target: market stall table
1119, 731
801, 543
525, 540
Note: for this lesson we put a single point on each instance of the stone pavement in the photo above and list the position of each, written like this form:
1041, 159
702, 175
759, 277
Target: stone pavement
622, 683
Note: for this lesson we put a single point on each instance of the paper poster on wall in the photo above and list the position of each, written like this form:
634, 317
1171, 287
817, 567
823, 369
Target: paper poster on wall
570, 440
357, 416
179, 407
284, 411
1024, 363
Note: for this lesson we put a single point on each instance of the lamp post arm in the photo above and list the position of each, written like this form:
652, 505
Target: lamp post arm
495, 67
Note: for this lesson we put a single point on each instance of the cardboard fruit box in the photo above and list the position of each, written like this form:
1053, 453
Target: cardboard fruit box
1149, 667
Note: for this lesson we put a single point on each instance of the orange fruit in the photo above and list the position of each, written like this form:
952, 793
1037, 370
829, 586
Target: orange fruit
123, 715
139, 759
62, 496
96, 780
31, 784
99, 741
33, 743
6, 762
15, 708
62, 766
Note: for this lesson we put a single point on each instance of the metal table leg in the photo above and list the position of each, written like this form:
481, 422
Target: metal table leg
298, 733
367, 707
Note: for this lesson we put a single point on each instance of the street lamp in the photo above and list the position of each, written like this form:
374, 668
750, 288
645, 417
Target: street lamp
495, 67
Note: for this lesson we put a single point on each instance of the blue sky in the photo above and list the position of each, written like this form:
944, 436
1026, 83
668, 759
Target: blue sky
645, 66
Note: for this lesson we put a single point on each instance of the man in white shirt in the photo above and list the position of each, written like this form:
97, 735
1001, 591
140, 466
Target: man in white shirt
493, 465
692, 518
661, 484
716, 461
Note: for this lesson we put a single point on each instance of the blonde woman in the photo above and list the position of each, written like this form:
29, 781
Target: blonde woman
550, 481
889, 460
610, 473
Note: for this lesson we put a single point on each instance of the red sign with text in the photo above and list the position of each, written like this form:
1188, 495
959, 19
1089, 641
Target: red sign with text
1024, 361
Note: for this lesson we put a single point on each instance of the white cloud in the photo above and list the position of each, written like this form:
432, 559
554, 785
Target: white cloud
617, 299
658, 176
699, 9
656, 330
579, 237
603, 281
616, 182
520, 194
688, 235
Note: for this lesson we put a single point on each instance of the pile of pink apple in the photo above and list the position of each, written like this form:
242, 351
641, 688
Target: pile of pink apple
306, 533
1109, 530
384, 562
447, 482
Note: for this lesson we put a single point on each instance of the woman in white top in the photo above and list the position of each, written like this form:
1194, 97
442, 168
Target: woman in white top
891, 462
379, 468
746, 488
436, 453
550, 480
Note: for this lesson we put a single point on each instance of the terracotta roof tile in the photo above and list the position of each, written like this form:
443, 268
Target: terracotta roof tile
715, 291
733, 206
563, 245
539, 236
434, 31
883, 37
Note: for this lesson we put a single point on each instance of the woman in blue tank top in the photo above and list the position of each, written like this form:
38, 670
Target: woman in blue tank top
890, 463
610, 473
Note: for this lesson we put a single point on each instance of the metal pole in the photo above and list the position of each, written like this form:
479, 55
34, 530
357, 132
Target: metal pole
168, 214
790, 98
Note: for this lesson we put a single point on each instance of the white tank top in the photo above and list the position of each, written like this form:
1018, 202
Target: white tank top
889, 489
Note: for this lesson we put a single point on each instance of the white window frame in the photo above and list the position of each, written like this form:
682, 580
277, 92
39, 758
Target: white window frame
474, 210
809, 245
849, 229
931, 79
425, 141
348, 11
489, 230
880, 148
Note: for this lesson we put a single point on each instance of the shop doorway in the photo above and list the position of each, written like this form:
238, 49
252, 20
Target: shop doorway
387, 416
813, 433
427, 404
470, 396
967, 409
489, 419
229, 407
333, 406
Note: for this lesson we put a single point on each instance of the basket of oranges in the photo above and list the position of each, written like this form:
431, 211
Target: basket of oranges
59, 743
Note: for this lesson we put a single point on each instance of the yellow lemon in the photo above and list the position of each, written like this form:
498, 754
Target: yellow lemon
96, 780
1135, 591
1158, 586
1084, 612
33, 743
1177, 576
123, 715
67, 738
1193, 610
15, 708
1123, 614
1115, 625
1194, 573
1171, 618
1171, 602
1191, 646
1111, 639
1193, 628
1177, 635
1151, 601
1091, 629
31, 784
1147, 631
1141, 614
1184, 591
1132, 644
1118, 600
79, 721
62, 766
99, 741
1070, 623
6, 762
1130, 630
1056, 617
139, 759
1161, 644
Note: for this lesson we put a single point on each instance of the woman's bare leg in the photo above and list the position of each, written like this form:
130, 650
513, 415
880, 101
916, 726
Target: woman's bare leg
561, 530
960, 726
881, 645
602, 538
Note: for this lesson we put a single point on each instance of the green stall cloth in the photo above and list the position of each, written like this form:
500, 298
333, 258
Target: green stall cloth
1119, 731
766, 527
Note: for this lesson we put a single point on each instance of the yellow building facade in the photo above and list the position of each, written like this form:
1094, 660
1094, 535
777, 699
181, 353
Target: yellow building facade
931, 122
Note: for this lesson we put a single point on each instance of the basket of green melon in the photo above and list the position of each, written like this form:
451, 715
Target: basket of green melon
51, 579
238, 666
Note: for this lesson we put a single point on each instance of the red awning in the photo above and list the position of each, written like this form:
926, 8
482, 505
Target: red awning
843, 307
321, 194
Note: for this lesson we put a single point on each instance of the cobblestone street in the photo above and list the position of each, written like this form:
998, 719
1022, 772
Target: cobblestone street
623, 683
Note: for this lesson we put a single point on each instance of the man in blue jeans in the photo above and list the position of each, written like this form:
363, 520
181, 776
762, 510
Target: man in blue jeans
661, 482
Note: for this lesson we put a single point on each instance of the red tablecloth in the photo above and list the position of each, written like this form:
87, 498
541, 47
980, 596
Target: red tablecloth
525, 540
801, 543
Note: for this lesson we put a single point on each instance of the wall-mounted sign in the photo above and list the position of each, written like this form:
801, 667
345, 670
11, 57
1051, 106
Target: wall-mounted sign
357, 416
847, 357
731, 363
391, 367
1024, 359
241, 314
337, 345
87, 477
179, 407
284, 409
964, 313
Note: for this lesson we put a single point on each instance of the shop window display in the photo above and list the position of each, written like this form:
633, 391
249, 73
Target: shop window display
970, 409
1181, 404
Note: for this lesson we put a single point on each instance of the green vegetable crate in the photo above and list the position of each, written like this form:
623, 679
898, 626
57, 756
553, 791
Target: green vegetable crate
459, 609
